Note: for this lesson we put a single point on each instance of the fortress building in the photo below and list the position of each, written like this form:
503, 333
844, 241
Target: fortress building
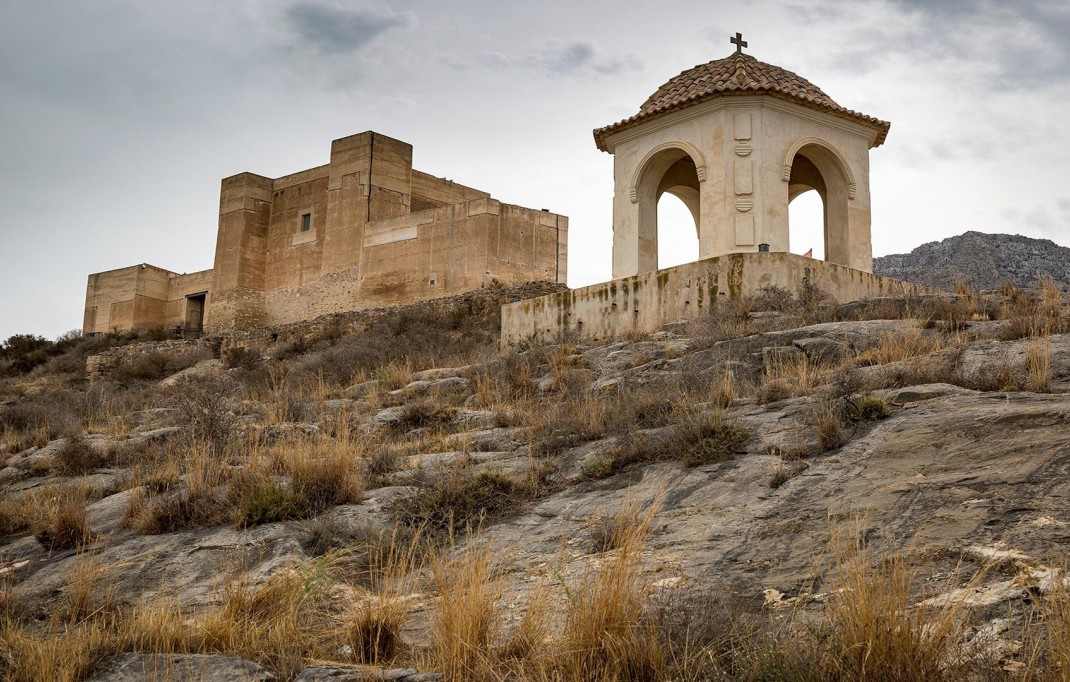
364, 230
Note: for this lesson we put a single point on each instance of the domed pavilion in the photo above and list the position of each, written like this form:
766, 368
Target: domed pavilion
736, 139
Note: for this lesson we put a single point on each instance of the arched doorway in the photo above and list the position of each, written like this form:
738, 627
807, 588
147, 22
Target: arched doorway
661, 244
818, 191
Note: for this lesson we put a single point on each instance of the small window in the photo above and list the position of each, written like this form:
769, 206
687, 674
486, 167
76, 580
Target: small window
306, 222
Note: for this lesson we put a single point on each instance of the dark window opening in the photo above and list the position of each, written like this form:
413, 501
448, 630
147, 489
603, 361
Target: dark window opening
306, 222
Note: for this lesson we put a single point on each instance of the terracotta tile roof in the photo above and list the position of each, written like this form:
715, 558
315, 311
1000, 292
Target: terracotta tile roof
738, 74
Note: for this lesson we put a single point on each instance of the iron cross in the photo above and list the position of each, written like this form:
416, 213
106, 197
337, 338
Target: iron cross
738, 42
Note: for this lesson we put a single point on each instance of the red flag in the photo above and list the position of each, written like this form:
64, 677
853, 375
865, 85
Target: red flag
809, 254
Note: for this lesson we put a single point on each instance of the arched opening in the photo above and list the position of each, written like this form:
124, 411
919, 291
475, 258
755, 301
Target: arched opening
677, 232
666, 236
806, 217
817, 205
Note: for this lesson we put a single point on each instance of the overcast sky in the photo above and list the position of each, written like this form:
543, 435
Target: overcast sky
118, 118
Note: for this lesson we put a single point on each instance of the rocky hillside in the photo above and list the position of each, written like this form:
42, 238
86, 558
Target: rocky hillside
983, 261
685, 506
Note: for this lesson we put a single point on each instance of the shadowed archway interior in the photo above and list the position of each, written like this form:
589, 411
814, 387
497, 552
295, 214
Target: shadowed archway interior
816, 169
671, 171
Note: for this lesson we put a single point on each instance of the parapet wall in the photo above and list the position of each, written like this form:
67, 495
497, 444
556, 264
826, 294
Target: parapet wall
643, 303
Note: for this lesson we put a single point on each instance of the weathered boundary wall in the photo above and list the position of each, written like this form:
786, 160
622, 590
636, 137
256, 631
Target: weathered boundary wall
101, 365
645, 302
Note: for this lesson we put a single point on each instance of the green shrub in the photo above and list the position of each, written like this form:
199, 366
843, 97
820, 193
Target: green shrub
263, 500
709, 439
869, 408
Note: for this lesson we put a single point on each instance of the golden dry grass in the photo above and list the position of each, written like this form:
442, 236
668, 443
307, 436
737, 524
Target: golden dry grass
464, 621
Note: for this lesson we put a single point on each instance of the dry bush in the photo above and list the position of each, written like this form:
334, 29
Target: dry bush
37, 418
256, 499
612, 532
715, 635
203, 502
90, 590
61, 522
462, 497
77, 457
831, 426
641, 409
566, 424
706, 438
428, 413
279, 623
908, 344
237, 356
433, 337
508, 380
464, 620
170, 512
790, 377
1054, 610
530, 635
1029, 314
157, 365
204, 406
783, 471
709, 438
726, 320
69, 655
867, 408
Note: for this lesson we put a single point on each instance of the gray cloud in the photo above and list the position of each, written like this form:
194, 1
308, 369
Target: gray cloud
571, 58
1012, 45
331, 28
1052, 222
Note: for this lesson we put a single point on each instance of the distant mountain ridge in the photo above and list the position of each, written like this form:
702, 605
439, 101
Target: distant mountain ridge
983, 261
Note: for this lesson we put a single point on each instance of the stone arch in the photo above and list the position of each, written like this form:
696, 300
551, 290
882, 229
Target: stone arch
813, 164
676, 168
840, 162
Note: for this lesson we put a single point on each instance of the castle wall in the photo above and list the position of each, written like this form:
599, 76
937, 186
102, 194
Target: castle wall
643, 303
431, 254
139, 297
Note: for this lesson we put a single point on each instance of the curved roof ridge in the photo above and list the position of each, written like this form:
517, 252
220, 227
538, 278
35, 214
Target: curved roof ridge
737, 74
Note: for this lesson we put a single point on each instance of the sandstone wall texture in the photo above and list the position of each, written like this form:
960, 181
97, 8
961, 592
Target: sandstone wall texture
643, 303
365, 230
143, 296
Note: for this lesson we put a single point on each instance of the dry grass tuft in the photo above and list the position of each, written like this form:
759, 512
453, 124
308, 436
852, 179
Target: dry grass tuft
604, 636
372, 626
830, 424
1038, 362
464, 620
62, 523
873, 631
